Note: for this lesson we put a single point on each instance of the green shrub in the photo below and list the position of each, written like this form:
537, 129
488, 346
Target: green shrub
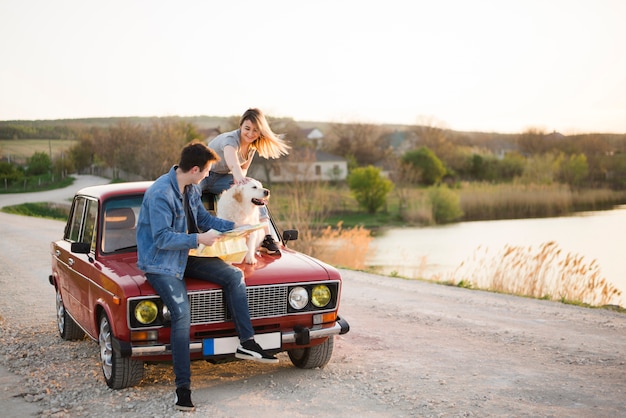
446, 205
369, 187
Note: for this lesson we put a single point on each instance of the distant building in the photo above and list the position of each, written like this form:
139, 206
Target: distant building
315, 136
301, 165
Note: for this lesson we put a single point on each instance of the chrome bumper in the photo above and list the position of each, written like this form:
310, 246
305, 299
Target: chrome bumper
300, 336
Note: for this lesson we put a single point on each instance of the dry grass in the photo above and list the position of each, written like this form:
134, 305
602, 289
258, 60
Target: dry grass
340, 247
20, 150
304, 206
509, 201
544, 273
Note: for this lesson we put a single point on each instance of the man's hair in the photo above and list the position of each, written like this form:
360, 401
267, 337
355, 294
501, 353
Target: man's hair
196, 154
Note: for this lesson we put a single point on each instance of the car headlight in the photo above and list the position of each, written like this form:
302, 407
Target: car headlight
320, 296
146, 312
298, 297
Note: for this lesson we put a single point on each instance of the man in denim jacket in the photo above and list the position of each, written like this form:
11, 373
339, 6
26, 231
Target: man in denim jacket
165, 236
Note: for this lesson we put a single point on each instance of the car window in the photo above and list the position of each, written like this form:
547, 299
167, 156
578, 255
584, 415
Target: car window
89, 235
82, 222
119, 224
76, 218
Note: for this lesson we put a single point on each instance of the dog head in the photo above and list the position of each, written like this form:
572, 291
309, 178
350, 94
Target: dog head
252, 191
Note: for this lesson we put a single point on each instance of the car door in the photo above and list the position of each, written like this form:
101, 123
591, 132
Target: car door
79, 267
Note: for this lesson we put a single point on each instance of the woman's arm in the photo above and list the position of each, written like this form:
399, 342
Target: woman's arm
232, 160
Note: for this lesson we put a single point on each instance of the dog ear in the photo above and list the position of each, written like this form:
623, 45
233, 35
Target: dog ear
238, 196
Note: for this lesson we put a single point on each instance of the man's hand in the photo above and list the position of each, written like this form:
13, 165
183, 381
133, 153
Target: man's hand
208, 238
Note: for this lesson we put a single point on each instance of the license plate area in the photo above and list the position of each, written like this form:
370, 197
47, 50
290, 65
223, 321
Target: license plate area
228, 345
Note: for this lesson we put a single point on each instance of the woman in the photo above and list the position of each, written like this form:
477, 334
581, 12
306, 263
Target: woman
236, 150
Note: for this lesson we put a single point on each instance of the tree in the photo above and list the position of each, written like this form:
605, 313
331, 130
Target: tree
9, 174
532, 141
82, 153
159, 146
431, 168
366, 143
39, 163
573, 170
446, 206
369, 188
432, 133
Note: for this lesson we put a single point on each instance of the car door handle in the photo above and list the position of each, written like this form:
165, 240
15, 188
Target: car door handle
70, 261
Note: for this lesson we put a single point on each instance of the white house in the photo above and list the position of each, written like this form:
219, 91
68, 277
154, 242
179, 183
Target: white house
300, 166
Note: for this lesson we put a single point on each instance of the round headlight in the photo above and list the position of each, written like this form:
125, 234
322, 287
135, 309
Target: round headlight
146, 312
298, 297
320, 296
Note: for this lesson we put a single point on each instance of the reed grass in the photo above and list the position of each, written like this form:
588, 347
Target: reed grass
482, 201
546, 272
347, 248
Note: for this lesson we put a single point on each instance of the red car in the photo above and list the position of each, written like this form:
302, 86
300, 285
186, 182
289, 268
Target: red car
293, 298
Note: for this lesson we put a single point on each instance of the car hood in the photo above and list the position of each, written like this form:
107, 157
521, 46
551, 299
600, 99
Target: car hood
289, 267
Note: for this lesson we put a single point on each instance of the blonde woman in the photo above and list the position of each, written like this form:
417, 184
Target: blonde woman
236, 150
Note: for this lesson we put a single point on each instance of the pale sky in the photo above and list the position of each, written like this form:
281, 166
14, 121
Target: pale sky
486, 65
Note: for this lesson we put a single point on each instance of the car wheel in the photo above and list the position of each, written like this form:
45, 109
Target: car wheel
119, 372
312, 357
68, 329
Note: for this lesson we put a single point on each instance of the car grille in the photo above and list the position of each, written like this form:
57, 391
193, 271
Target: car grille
263, 302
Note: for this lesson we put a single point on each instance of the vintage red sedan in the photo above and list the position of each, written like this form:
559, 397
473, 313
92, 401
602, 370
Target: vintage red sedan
100, 292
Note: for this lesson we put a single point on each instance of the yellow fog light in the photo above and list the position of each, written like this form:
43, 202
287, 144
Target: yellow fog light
320, 296
146, 312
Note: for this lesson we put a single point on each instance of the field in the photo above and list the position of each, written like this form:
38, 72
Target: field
19, 150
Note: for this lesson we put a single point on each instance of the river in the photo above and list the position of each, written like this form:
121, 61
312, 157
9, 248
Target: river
424, 252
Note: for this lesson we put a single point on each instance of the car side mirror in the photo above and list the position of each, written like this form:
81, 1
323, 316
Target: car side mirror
290, 235
81, 247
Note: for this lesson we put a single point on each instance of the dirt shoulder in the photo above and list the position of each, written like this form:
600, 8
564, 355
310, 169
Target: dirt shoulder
414, 349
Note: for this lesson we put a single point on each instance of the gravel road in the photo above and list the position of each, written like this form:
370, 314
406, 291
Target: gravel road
414, 349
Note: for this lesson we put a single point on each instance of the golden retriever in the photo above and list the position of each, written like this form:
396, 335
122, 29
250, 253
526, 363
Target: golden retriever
240, 204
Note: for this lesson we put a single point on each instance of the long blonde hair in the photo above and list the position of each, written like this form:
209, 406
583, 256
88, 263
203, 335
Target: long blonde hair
269, 144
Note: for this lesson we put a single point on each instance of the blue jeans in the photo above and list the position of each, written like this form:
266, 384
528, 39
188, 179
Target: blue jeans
173, 292
216, 183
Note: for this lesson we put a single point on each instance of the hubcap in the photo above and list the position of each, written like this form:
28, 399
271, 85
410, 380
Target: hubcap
60, 313
106, 351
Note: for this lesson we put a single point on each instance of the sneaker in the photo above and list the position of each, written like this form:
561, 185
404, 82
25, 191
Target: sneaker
183, 400
250, 350
269, 245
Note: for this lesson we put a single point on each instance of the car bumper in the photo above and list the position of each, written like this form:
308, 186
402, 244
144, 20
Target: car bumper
299, 336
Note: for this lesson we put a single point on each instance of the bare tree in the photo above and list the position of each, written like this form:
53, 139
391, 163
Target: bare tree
160, 145
532, 141
368, 144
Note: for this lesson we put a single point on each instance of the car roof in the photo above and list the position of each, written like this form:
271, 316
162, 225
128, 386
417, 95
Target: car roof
108, 190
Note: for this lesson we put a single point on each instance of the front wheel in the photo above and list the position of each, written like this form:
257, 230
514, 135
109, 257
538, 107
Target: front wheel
119, 372
312, 357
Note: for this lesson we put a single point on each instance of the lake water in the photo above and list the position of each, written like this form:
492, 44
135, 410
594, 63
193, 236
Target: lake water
424, 252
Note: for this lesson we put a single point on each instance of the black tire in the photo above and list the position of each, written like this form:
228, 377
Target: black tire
68, 329
312, 357
119, 372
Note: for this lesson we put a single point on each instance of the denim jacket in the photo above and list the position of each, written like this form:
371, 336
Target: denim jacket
163, 243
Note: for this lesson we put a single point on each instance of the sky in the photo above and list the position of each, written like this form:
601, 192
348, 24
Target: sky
481, 65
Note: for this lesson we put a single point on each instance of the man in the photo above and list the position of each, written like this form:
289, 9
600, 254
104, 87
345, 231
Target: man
172, 209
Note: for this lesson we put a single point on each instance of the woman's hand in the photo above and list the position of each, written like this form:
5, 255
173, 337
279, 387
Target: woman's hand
242, 181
